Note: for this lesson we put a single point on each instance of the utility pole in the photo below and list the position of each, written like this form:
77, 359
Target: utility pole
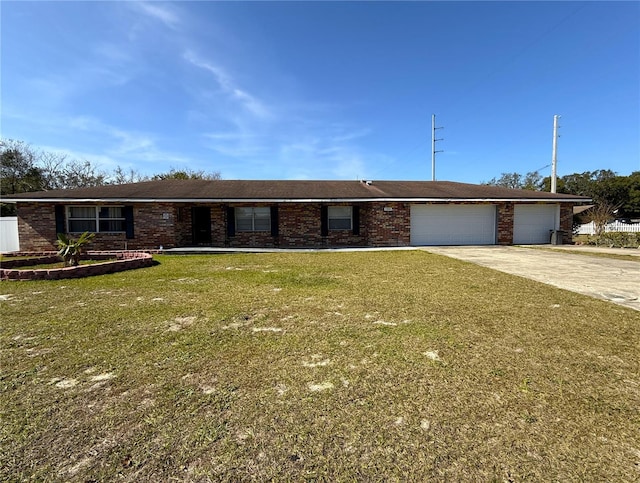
433, 146
554, 155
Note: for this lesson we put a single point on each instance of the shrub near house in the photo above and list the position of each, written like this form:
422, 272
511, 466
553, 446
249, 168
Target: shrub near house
71, 249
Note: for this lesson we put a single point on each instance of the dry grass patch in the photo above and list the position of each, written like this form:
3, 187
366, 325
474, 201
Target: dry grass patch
326, 366
615, 256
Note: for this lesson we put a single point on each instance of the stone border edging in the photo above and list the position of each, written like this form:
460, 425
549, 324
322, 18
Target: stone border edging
125, 261
8, 264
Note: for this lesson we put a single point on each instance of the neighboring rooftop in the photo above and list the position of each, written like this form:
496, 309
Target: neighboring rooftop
271, 190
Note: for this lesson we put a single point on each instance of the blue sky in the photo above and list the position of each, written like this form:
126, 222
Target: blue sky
325, 90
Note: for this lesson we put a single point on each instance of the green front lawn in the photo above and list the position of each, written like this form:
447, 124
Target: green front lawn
315, 366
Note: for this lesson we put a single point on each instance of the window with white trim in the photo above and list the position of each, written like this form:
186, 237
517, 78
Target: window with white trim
253, 219
95, 219
340, 217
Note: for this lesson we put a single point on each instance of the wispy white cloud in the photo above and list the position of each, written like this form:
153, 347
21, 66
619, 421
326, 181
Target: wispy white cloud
351, 135
48, 90
322, 158
298, 136
349, 165
126, 144
102, 66
228, 85
238, 144
112, 53
315, 149
245, 129
161, 12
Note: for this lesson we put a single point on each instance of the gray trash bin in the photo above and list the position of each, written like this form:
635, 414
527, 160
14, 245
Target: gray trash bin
556, 237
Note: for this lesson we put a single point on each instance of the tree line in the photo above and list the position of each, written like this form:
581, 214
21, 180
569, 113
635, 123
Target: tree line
23, 169
618, 194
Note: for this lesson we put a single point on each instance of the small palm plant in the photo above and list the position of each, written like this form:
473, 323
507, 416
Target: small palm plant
71, 249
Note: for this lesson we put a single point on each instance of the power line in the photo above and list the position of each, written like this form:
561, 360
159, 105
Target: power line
497, 70
538, 170
513, 58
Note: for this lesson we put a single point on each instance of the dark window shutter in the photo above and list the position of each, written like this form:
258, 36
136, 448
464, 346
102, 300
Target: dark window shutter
274, 220
356, 220
127, 212
324, 221
231, 221
60, 219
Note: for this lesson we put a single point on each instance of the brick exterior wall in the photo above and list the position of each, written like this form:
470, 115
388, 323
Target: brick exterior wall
298, 227
389, 224
154, 225
566, 222
37, 226
170, 225
183, 226
505, 223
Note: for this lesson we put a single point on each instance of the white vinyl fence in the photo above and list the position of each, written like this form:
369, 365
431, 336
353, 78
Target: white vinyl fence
9, 234
616, 226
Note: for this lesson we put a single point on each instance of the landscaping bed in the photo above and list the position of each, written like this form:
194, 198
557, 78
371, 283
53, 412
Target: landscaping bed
23, 267
610, 239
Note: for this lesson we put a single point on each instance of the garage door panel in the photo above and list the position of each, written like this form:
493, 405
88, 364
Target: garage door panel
453, 225
532, 223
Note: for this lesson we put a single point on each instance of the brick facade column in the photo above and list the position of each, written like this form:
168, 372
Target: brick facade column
505, 223
566, 222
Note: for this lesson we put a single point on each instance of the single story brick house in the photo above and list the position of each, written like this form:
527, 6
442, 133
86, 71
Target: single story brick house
235, 213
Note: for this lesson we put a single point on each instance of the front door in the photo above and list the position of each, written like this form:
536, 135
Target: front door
201, 223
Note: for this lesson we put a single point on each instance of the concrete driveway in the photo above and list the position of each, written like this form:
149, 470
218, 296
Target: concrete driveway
605, 278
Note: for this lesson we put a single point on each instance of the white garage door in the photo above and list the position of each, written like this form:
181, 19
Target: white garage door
532, 223
453, 224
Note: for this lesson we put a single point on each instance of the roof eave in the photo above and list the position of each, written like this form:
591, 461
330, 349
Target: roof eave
290, 200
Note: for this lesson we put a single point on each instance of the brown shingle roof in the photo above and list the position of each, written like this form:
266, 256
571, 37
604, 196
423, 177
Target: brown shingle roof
228, 190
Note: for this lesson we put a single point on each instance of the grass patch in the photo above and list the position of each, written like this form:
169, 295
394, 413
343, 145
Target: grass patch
315, 366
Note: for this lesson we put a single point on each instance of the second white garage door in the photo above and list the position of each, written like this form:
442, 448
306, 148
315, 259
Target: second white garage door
532, 223
453, 224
